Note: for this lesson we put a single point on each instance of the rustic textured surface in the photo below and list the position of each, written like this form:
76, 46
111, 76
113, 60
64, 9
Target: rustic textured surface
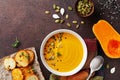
26, 20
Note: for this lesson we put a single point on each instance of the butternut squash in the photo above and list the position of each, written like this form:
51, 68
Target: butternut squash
108, 38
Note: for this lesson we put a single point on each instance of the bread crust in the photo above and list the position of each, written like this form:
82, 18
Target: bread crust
31, 56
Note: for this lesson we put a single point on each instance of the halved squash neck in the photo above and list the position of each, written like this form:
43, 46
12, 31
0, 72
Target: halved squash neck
108, 37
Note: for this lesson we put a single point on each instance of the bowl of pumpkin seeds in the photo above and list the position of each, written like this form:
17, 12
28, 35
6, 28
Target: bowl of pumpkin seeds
84, 8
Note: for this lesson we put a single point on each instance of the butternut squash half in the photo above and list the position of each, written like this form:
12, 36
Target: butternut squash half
108, 38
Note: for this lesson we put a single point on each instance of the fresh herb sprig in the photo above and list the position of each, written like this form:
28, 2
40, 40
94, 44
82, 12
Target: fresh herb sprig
16, 43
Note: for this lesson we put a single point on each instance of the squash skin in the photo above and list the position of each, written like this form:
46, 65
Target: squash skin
108, 38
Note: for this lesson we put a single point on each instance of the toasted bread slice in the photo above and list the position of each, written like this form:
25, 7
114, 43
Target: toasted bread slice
31, 55
9, 63
17, 74
27, 70
22, 58
31, 77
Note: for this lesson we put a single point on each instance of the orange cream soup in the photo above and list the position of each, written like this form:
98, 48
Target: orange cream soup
63, 52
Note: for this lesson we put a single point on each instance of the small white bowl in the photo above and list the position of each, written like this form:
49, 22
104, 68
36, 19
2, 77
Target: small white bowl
78, 68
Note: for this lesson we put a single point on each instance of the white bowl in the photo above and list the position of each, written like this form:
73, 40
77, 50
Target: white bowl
78, 68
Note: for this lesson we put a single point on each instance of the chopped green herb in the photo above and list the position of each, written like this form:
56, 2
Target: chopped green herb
22, 53
27, 57
33, 69
54, 77
53, 37
16, 43
59, 54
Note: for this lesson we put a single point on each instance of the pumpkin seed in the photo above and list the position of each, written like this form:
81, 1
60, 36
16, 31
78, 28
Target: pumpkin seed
62, 21
68, 24
70, 8
54, 6
57, 10
82, 22
62, 11
58, 7
55, 16
57, 21
77, 26
67, 16
47, 12
112, 71
74, 22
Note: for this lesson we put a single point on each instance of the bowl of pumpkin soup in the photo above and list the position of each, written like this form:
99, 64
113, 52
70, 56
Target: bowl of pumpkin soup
63, 52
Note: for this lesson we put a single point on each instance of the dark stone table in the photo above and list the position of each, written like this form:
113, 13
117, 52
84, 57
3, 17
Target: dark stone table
26, 20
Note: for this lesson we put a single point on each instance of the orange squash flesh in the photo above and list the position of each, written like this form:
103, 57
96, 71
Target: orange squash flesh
108, 38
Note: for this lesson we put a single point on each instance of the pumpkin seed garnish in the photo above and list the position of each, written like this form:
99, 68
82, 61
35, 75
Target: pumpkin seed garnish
59, 54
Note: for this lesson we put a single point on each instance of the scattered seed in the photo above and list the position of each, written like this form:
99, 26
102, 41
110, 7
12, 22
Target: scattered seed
54, 6
112, 70
77, 26
74, 22
55, 16
57, 21
52, 58
82, 22
68, 24
107, 66
58, 7
47, 12
62, 11
62, 21
57, 10
70, 8
67, 16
